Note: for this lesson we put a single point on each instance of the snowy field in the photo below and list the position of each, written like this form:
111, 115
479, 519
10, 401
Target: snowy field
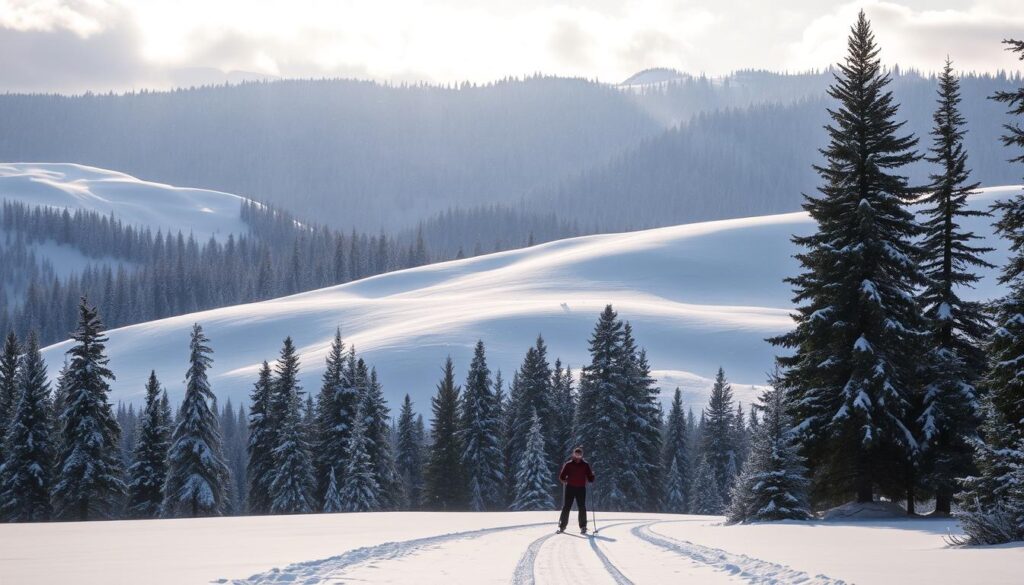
426, 548
134, 201
698, 295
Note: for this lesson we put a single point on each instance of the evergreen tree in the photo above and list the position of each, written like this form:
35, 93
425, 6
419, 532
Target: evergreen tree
480, 435
445, 481
534, 394
563, 405
675, 457
197, 477
858, 325
601, 417
992, 504
533, 476
719, 434
291, 479
359, 491
773, 485
705, 497
643, 429
336, 406
148, 473
263, 431
332, 497
25, 478
376, 426
10, 356
89, 484
409, 455
955, 359
674, 501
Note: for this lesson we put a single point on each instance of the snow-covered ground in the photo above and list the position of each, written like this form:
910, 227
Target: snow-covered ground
510, 547
698, 296
134, 201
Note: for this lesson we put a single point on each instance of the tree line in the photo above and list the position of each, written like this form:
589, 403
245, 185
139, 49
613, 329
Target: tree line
67, 454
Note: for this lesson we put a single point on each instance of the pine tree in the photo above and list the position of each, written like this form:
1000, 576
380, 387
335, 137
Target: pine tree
445, 481
148, 473
332, 497
409, 456
480, 435
563, 405
262, 440
376, 426
992, 503
10, 357
534, 394
773, 485
719, 436
89, 484
858, 325
25, 478
336, 405
197, 477
674, 500
291, 480
533, 476
675, 457
957, 327
359, 491
601, 416
643, 429
705, 497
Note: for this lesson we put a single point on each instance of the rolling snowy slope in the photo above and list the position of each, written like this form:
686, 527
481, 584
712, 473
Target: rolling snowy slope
430, 548
698, 296
134, 201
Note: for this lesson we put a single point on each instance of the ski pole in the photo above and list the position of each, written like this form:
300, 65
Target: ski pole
593, 511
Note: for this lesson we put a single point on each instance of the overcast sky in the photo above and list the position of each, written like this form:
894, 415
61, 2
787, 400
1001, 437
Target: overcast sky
77, 45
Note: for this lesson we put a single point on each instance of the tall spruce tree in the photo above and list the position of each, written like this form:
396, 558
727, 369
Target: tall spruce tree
10, 357
336, 405
533, 473
643, 429
705, 497
359, 491
773, 484
197, 477
376, 426
957, 327
992, 504
602, 415
89, 483
853, 367
719, 436
263, 431
563, 405
148, 473
409, 456
534, 394
675, 458
291, 480
445, 478
481, 434
26, 475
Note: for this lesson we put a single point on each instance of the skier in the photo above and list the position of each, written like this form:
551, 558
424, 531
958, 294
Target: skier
575, 475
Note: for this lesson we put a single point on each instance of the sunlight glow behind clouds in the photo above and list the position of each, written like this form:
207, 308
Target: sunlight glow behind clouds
456, 40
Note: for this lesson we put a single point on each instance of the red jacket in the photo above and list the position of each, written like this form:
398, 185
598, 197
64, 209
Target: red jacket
576, 473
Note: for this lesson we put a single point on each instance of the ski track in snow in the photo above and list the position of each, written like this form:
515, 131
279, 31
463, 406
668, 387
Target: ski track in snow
616, 574
314, 572
747, 568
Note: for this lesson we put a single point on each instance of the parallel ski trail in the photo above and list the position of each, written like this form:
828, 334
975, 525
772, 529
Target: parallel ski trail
314, 572
747, 568
565, 561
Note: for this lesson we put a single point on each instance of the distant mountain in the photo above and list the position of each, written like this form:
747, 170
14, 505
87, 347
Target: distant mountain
653, 76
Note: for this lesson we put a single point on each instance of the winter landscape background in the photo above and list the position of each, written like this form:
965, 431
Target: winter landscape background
269, 318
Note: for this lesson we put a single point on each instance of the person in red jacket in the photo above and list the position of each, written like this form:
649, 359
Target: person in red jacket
575, 476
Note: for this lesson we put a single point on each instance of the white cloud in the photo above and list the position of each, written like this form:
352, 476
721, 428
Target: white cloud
160, 42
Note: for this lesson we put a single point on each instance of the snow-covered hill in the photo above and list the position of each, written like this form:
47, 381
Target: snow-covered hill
134, 201
698, 296
436, 548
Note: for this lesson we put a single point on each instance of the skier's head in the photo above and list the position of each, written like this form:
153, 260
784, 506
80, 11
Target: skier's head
577, 453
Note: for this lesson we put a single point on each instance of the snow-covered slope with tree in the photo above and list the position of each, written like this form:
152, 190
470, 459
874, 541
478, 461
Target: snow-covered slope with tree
135, 202
699, 296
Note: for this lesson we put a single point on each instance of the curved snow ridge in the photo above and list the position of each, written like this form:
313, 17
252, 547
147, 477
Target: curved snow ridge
313, 572
747, 568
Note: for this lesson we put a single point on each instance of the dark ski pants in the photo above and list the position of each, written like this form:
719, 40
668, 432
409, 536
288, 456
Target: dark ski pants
579, 494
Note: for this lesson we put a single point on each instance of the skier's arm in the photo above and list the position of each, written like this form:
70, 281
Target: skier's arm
590, 474
563, 475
